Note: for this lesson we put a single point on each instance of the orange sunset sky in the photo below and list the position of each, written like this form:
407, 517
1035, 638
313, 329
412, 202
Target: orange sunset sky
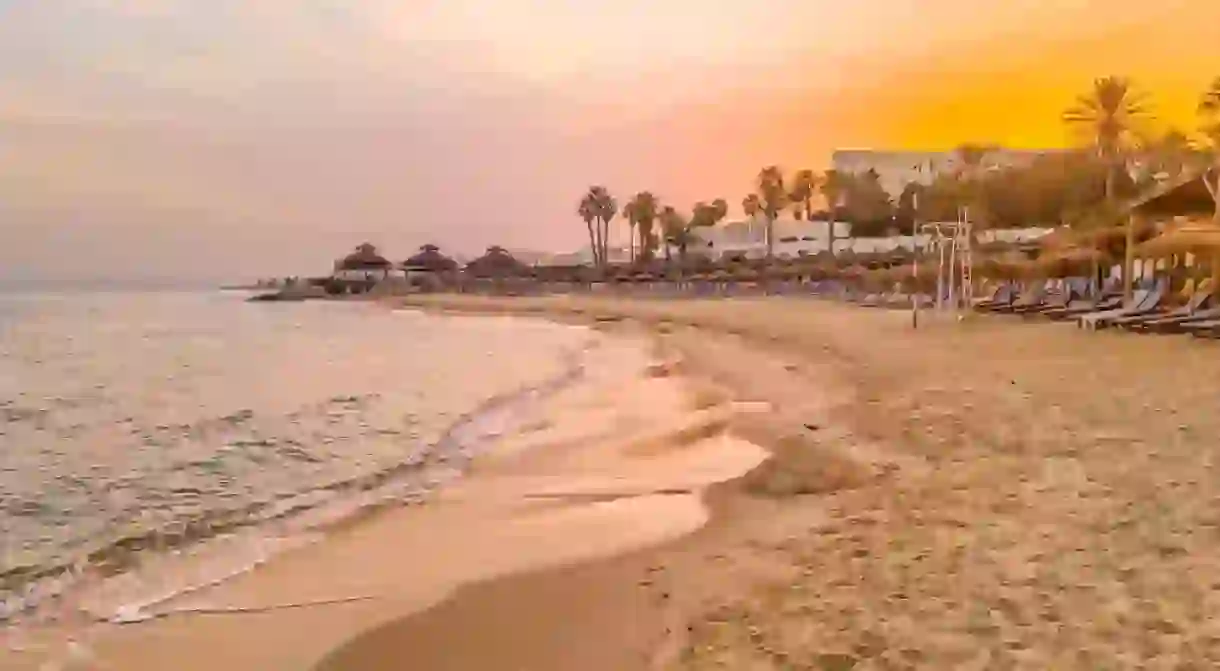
147, 138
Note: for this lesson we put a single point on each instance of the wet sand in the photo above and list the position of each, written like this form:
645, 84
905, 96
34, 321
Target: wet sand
995, 494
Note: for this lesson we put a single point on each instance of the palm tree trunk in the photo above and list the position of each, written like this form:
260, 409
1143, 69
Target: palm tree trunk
770, 238
830, 233
1215, 191
1129, 261
605, 229
1129, 252
631, 239
592, 242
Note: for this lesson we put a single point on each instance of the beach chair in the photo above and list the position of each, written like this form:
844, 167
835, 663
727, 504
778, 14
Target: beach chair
1176, 324
1072, 295
1060, 298
1054, 299
1208, 328
1197, 302
1143, 302
1110, 298
1000, 293
1084, 306
1032, 296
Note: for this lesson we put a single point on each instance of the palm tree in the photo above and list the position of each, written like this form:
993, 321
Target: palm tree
804, 185
971, 158
632, 221
833, 188
1109, 116
600, 207
607, 209
644, 206
1210, 103
772, 197
672, 229
1166, 157
751, 205
588, 212
704, 215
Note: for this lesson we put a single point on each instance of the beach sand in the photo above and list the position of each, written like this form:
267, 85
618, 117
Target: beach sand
998, 493
994, 494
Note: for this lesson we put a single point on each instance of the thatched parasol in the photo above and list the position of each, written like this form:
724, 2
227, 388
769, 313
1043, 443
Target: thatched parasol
745, 274
1070, 261
920, 278
497, 262
430, 258
792, 271
1063, 236
853, 272
1201, 238
365, 257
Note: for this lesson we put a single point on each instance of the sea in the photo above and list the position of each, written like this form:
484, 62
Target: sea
137, 423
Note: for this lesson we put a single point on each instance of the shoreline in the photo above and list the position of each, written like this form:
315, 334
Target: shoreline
615, 612
991, 493
124, 642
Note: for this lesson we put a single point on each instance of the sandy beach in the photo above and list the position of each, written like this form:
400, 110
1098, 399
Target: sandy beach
992, 494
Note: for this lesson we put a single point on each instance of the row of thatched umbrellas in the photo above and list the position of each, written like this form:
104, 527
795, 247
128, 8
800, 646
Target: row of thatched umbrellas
1062, 253
1067, 252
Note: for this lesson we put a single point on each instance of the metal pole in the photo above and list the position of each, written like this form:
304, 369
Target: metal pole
953, 275
915, 260
940, 270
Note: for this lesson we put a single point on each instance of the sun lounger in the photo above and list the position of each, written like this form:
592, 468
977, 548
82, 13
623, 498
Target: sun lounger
1143, 302
1083, 307
999, 293
1197, 301
1031, 297
1054, 300
1176, 324
1003, 295
1209, 328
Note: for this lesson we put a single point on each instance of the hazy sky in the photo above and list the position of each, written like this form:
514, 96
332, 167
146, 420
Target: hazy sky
220, 138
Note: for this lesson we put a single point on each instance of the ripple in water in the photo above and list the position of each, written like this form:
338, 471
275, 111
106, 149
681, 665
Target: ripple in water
137, 420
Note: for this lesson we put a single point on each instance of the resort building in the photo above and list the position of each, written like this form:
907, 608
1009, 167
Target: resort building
748, 238
896, 169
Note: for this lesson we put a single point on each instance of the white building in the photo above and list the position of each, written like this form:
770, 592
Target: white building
899, 168
793, 238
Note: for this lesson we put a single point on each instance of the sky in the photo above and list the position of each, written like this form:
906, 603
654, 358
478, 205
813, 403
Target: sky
222, 139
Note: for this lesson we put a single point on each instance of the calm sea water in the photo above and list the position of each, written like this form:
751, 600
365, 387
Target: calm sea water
124, 412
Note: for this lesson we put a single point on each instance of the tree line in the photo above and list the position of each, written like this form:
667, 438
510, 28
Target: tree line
1120, 155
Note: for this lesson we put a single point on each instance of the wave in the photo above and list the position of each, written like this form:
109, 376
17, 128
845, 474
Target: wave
285, 522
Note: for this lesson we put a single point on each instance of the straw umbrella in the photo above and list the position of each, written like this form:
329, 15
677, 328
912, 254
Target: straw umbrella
1068, 261
1198, 237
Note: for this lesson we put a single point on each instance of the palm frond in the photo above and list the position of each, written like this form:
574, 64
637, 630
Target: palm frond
1210, 103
